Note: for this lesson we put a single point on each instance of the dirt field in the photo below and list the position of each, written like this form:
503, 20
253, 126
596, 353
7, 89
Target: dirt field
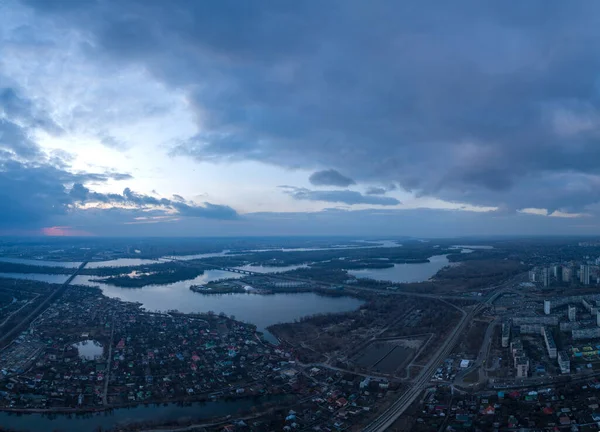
471, 343
388, 356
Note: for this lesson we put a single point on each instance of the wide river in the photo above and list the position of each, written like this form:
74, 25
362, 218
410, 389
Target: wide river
123, 262
404, 273
259, 310
123, 416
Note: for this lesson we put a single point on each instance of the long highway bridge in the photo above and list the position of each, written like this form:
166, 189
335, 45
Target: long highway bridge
242, 271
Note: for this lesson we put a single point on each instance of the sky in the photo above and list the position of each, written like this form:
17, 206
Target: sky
343, 117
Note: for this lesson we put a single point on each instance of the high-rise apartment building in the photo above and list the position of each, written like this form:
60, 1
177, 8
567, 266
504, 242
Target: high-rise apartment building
566, 274
584, 274
546, 276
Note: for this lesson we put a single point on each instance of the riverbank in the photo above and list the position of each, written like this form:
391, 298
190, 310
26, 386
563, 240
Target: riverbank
159, 417
188, 401
212, 289
140, 280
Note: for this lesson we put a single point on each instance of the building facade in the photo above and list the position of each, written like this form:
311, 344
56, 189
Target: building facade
505, 334
564, 363
522, 366
546, 276
547, 307
566, 274
549, 340
584, 274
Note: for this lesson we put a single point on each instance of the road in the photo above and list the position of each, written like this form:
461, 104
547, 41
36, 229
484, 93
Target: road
107, 376
326, 366
10, 335
483, 354
385, 420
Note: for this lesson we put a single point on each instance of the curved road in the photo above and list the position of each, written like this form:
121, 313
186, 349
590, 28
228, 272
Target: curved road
483, 354
389, 416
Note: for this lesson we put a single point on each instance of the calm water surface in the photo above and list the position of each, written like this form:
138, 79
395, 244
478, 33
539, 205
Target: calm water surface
50, 278
89, 349
260, 310
126, 262
485, 247
270, 269
198, 411
41, 263
122, 262
197, 256
372, 244
405, 273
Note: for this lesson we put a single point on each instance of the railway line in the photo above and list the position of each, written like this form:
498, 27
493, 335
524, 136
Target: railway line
389, 416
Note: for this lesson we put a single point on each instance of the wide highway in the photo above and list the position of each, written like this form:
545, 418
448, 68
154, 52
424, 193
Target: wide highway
389, 416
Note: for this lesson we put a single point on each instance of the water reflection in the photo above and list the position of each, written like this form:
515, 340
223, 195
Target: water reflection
89, 349
262, 311
270, 269
122, 262
405, 273
127, 262
41, 263
50, 278
123, 416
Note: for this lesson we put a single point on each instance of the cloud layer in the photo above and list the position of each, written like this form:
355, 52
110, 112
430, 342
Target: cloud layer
478, 103
36, 186
82, 195
330, 177
472, 101
338, 196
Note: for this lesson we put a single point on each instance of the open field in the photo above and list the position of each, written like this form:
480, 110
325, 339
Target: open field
387, 356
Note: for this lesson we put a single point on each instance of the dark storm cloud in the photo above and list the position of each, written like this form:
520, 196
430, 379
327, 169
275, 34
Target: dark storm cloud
22, 110
33, 192
36, 191
15, 142
30, 194
18, 117
207, 210
36, 187
81, 194
330, 177
493, 103
338, 196
31, 186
